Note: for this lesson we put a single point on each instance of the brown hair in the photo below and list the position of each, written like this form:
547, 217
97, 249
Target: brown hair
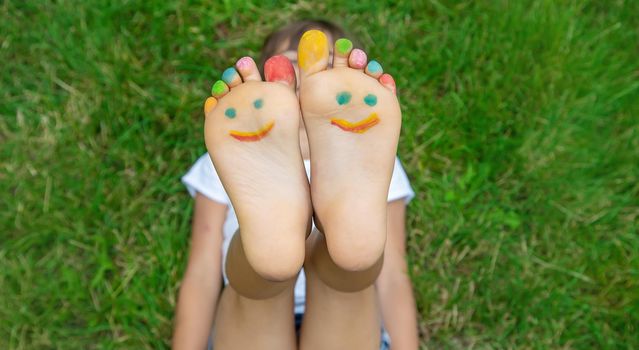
293, 32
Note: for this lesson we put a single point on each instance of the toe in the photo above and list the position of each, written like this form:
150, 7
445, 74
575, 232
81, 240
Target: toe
388, 82
248, 69
209, 104
357, 59
312, 52
231, 77
343, 48
374, 69
219, 89
279, 69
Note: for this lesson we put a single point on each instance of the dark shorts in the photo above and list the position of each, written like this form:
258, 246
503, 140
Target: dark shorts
384, 344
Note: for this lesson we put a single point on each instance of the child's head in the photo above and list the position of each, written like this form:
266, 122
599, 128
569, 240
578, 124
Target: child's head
284, 41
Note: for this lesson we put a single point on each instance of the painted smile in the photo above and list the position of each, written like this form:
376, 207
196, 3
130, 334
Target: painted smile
252, 135
357, 127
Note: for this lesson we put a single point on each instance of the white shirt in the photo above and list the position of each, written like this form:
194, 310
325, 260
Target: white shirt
203, 178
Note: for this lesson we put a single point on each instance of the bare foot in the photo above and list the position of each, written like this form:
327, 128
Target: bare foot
251, 133
353, 120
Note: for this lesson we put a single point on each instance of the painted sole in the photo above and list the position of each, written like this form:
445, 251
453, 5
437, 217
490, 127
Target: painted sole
247, 136
359, 127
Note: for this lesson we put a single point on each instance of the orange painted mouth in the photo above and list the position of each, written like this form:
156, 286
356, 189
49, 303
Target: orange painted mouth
358, 127
253, 135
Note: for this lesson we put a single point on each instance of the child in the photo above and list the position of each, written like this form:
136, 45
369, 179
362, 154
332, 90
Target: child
280, 284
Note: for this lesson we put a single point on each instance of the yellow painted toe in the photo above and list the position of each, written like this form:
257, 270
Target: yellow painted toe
210, 103
313, 51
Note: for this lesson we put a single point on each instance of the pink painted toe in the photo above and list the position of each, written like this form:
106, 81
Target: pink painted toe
357, 59
248, 69
244, 63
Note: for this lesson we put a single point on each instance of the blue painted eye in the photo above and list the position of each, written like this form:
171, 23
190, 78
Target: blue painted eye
370, 100
230, 112
343, 98
258, 103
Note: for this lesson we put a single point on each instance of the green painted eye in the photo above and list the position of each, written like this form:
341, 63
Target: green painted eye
230, 112
258, 103
343, 98
370, 100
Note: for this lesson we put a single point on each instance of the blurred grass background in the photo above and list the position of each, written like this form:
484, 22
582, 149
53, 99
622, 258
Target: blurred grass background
521, 138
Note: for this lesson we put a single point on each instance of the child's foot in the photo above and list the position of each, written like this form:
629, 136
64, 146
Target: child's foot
352, 119
252, 135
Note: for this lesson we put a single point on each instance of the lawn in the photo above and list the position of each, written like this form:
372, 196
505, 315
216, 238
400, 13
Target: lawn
520, 137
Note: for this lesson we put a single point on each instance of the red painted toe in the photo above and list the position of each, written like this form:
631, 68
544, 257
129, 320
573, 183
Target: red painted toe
279, 68
388, 81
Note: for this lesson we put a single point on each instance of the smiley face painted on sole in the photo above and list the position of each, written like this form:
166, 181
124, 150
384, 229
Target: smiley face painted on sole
261, 132
244, 108
253, 135
360, 126
253, 111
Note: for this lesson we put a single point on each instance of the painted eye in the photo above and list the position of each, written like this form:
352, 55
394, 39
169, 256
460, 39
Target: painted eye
258, 103
370, 100
230, 112
343, 98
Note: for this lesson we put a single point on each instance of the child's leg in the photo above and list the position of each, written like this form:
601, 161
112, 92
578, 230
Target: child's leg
252, 135
352, 119
341, 308
253, 313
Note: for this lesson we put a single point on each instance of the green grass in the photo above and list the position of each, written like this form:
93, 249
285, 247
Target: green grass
521, 138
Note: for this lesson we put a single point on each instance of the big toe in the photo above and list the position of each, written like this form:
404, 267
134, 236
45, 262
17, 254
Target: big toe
312, 52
